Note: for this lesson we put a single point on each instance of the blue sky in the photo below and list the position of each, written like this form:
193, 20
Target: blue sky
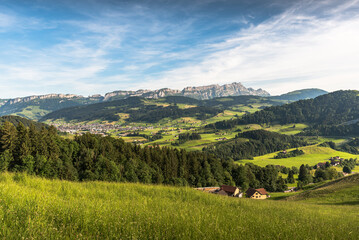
90, 46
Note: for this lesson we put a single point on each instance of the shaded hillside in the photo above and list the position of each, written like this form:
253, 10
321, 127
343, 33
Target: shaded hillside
15, 120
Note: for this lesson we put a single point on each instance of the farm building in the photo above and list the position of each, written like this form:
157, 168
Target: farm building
230, 191
260, 193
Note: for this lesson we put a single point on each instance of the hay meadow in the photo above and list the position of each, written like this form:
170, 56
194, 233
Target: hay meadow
36, 208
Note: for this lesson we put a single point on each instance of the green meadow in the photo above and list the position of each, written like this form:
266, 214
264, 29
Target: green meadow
35, 208
340, 192
312, 155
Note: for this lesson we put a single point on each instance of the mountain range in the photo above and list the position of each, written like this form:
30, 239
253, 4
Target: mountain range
35, 107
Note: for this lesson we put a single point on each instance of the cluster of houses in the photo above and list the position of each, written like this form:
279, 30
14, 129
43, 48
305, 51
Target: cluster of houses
231, 191
334, 161
96, 128
221, 139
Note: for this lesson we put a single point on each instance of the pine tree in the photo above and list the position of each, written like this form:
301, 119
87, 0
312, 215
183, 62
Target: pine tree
8, 136
290, 178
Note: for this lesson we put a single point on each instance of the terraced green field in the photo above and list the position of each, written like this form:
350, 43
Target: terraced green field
312, 156
35, 208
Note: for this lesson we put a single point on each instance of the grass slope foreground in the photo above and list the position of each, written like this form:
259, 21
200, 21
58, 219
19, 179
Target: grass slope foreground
35, 208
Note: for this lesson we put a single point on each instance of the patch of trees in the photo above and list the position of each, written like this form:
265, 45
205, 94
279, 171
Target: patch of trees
349, 147
150, 138
250, 175
348, 165
290, 154
185, 137
321, 174
249, 144
332, 130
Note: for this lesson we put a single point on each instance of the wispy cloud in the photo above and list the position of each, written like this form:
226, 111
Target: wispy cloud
293, 50
311, 44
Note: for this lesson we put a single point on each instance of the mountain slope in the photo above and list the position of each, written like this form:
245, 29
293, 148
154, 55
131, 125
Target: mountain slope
34, 107
301, 94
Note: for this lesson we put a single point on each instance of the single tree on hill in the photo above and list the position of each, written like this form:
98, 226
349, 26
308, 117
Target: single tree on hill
346, 169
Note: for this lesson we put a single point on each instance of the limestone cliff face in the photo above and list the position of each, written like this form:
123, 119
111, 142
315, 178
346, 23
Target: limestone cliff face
203, 92
47, 96
213, 91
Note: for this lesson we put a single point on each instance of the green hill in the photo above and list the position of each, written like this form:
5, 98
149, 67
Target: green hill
36, 108
335, 109
343, 191
312, 155
301, 94
16, 120
32, 207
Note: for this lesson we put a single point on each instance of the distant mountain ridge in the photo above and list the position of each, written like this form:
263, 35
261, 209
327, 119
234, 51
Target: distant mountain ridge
35, 107
200, 93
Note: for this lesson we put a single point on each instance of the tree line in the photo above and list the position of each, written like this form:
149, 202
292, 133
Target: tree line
91, 157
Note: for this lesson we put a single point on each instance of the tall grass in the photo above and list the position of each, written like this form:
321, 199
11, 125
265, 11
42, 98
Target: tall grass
35, 208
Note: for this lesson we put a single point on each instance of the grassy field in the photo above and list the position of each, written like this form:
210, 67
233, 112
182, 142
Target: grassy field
312, 156
341, 192
32, 112
35, 208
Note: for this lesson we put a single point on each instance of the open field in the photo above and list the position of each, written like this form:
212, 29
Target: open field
52, 209
312, 156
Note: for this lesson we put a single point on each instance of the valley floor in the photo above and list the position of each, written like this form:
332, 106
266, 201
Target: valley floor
32, 207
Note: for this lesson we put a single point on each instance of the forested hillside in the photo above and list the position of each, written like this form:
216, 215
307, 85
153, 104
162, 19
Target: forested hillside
341, 107
15, 120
